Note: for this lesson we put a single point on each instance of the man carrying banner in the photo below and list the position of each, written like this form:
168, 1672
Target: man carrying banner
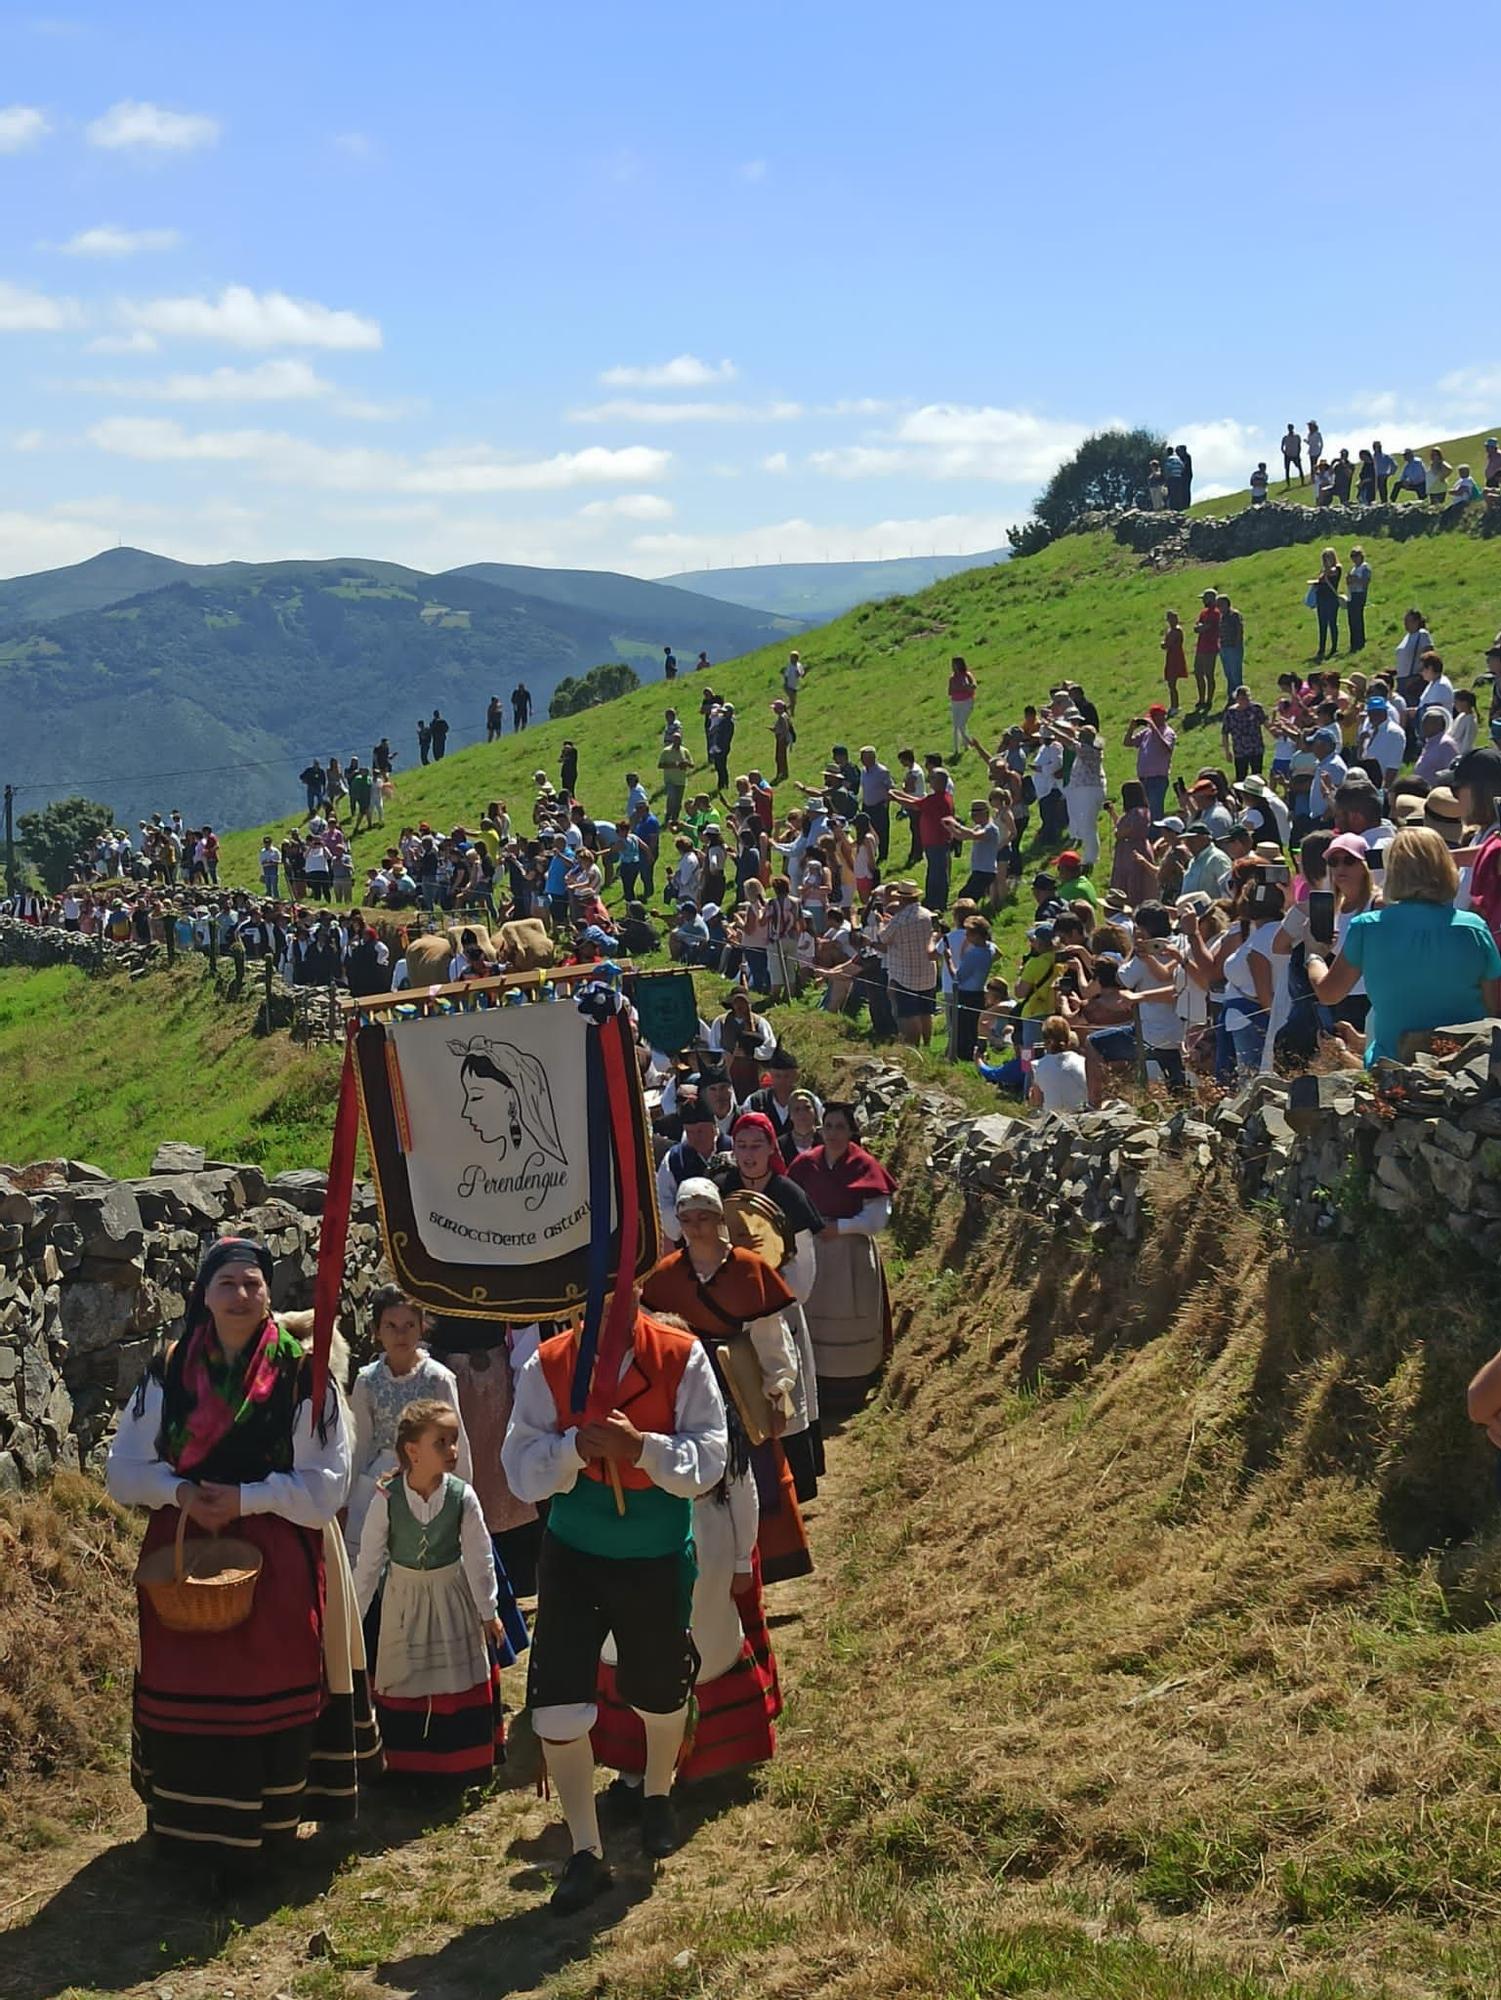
616, 1557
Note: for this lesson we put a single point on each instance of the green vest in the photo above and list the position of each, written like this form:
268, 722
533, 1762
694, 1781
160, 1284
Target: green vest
415, 1544
654, 1523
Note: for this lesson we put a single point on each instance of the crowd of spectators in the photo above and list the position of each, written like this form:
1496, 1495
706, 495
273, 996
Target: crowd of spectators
1224, 930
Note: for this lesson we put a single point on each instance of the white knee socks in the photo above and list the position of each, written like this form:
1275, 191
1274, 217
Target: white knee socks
664, 1739
571, 1768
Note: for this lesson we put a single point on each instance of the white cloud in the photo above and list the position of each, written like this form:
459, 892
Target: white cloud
32, 440
355, 145
753, 170
22, 311
107, 241
287, 381
467, 469
139, 342
684, 371
629, 507
799, 540
634, 410
22, 125
775, 461
244, 318
131, 124
1224, 450
959, 441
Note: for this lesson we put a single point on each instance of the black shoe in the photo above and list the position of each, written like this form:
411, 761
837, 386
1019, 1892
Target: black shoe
659, 1827
585, 1877
621, 1801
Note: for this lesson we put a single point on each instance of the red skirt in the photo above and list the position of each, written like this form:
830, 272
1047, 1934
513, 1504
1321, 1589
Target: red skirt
781, 1539
234, 1736
732, 1728
445, 1735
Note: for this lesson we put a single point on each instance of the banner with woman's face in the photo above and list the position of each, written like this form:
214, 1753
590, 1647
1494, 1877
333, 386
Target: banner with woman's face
478, 1125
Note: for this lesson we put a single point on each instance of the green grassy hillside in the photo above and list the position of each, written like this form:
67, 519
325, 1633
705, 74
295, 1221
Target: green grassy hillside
104, 1070
1084, 609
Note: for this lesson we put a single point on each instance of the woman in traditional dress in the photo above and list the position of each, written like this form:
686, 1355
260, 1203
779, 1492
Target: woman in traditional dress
723, 1293
849, 1315
238, 1736
758, 1170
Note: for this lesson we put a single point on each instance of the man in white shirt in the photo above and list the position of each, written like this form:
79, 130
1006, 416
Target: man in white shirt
614, 1565
1329, 773
1261, 800
1052, 807
793, 676
1383, 740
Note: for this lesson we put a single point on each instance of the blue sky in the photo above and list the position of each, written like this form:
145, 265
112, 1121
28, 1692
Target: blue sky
658, 287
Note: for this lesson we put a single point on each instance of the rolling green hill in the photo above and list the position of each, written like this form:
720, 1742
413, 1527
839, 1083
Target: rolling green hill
824, 590
1085, 609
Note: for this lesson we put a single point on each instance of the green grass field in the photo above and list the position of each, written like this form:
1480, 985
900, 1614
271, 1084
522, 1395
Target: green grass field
105, 1069
1084, 609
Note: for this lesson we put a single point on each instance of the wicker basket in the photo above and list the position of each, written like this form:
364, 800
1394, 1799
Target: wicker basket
207, 1586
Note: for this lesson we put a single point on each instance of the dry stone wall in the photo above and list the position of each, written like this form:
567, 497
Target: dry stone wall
1420, 1138
94, 1274
1167, 539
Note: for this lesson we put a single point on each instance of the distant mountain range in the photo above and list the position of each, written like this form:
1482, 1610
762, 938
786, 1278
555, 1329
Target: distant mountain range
150, 683
816, 591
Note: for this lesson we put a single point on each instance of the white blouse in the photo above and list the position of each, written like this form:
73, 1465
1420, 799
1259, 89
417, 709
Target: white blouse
310, 1495
474, 1545
540, 1460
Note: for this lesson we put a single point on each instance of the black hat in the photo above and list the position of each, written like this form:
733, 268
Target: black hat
712, 1072
781, 1058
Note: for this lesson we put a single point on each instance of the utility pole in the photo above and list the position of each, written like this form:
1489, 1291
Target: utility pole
12, 880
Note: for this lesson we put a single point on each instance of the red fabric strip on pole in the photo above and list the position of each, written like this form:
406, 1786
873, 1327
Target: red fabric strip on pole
333, 1236
616, 1334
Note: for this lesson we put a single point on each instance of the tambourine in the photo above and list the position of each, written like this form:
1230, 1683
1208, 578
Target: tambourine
756, 1223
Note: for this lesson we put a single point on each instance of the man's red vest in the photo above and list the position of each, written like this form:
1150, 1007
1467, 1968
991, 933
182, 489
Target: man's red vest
648, 1391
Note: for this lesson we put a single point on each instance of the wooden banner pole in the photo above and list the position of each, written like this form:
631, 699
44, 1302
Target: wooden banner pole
502, 982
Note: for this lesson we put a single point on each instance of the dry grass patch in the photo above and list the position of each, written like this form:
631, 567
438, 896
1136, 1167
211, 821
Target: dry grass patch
67, 1640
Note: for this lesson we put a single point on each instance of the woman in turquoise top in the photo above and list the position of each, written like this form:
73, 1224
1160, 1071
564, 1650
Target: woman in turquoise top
1425, 964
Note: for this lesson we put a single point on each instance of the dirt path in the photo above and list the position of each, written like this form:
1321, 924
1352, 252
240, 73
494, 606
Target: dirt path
413, 1901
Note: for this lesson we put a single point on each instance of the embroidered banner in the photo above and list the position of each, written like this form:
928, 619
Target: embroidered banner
479, 1137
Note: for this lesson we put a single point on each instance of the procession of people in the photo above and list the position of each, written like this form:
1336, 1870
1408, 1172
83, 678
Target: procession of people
402, 1527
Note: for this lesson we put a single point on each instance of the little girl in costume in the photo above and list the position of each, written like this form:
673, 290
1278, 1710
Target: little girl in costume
383, 1390
404, 1373
425, 1543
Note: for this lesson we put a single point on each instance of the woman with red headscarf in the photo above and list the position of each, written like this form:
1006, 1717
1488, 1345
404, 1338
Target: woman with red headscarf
238, 1736
849, 1315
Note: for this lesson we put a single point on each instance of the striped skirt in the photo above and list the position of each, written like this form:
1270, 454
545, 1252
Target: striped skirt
731, 1722
238, 1737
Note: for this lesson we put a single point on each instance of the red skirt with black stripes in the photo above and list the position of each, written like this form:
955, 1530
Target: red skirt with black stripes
732, 1723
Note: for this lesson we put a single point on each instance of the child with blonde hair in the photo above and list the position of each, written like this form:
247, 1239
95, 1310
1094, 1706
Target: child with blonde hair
426, 1548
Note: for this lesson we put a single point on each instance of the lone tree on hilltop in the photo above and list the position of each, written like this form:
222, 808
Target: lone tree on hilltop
604, 683
1108, 470
55, 836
